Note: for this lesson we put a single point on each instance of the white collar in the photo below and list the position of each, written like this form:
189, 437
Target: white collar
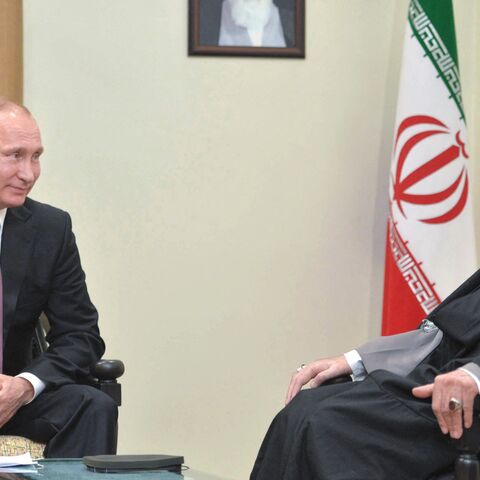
3, 212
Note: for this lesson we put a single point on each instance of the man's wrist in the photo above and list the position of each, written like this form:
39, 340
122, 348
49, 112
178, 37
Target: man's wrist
27, 389
355, 362
37, 385
473, 370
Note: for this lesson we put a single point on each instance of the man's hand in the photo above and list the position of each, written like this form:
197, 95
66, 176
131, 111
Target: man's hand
316, 373
456, 384
14, 393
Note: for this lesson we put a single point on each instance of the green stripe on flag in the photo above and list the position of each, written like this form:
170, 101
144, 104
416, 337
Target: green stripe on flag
440, 13
433, 26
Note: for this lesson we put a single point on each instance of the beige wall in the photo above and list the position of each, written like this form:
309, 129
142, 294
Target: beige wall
472, 57
230, 211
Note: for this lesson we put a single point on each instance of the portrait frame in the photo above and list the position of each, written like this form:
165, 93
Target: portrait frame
203, 37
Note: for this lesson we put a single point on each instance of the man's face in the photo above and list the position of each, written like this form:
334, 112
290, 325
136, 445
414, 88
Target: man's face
20, 150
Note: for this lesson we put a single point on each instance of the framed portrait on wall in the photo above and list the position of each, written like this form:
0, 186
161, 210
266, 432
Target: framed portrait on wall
266, 28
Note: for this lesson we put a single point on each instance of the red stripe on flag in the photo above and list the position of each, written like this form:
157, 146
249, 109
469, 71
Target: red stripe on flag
408, 295
401, 310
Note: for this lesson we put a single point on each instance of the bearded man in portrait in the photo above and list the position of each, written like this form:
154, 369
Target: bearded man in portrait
247, 23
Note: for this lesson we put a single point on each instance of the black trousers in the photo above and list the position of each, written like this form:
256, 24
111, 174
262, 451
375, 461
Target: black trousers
369, 430
73, 420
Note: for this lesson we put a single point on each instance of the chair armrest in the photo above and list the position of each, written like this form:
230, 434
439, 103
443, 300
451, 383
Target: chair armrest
105, 374
467, 465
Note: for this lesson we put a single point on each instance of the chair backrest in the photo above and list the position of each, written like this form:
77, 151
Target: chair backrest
39, 344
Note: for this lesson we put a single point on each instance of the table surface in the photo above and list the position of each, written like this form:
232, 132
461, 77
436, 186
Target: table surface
66, 469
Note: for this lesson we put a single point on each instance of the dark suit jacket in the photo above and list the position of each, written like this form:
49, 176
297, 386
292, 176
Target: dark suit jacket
42, 273
211, 13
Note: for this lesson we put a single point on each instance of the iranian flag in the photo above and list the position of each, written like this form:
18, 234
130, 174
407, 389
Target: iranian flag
430, 235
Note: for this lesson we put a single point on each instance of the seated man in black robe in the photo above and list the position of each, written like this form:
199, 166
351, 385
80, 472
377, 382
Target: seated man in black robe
415, 390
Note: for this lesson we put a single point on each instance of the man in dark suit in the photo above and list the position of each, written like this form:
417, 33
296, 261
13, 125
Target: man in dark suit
412, 392
44, 398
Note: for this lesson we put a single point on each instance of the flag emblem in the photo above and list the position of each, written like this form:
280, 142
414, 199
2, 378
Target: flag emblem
412, 183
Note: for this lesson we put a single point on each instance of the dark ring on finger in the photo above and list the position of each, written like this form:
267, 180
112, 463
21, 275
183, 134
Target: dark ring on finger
454, 404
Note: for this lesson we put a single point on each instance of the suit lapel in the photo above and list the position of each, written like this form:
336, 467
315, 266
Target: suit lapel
18, 234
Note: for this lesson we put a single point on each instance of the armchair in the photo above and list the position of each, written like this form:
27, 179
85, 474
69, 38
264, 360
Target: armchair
104, 375
467, 465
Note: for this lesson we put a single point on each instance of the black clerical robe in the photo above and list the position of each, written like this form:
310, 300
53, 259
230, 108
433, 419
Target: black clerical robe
376, 428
